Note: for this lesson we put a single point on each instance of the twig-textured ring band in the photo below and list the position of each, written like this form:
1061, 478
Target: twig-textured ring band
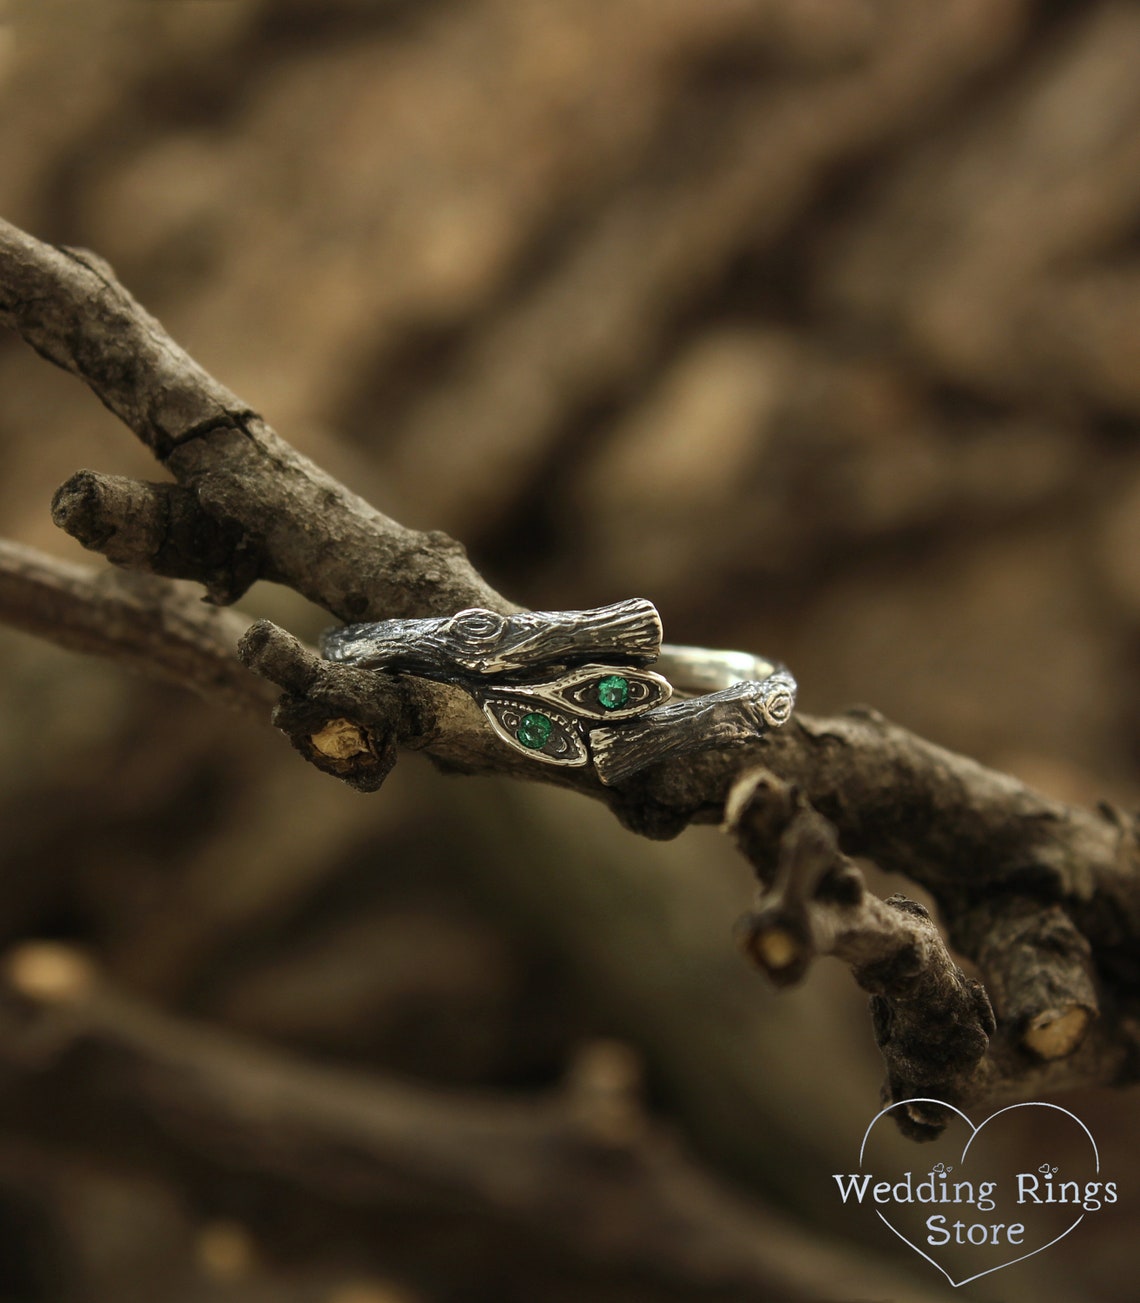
573, 687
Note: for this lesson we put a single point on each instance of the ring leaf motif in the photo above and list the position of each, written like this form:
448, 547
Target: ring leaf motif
590, 691
514, 718
568, 703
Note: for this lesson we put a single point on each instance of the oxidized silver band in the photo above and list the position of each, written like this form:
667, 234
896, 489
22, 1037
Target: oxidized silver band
573, 687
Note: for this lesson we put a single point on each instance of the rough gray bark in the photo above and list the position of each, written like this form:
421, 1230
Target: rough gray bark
990, 850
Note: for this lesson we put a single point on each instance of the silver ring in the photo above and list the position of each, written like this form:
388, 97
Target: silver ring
696, 670
574, 688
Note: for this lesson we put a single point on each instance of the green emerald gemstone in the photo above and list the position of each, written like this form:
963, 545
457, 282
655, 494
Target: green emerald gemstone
534, 731
613, 692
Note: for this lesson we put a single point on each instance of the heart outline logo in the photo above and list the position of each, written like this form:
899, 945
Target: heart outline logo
975, 1131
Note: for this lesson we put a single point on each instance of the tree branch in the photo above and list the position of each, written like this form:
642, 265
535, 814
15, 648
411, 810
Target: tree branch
296, 525
1044, 898
156, 628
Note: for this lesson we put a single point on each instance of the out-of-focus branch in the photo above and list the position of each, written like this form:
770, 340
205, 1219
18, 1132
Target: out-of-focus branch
586, 1161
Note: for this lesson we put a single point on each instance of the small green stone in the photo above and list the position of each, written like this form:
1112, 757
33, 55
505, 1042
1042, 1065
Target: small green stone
613, 692
534, 731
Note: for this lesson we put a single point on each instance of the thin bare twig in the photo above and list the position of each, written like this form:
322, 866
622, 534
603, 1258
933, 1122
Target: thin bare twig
160, 629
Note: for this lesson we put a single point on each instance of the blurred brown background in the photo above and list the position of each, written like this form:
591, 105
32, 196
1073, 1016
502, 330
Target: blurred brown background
817, 322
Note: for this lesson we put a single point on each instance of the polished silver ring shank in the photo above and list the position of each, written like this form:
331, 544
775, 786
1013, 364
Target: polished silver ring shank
693, 671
